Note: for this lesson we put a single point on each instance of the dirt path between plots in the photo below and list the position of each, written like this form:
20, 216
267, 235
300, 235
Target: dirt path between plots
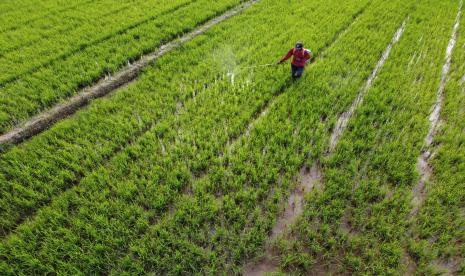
312, 178
42, 121
423, 167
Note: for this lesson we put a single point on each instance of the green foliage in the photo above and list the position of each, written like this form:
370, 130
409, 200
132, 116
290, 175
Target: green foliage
49, 64
182, 173
361, 216
440, 226
192, 141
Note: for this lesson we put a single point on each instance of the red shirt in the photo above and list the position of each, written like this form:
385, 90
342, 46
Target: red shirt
301, 57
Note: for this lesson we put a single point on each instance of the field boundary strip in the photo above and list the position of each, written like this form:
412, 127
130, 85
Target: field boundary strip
44, 120
424, 169
310, 178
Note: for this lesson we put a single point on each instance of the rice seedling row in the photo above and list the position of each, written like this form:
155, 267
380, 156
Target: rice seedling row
359, 222
15, 13
234, 205
436, 243
146, 164
193, 167
68, 72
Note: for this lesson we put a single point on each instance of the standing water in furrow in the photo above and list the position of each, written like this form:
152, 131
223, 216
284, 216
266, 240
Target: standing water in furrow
358, 224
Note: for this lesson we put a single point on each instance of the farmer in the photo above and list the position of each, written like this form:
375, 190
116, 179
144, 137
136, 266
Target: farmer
301, 57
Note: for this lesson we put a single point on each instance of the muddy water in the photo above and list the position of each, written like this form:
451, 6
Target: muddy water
423, 167
295, 203
267, 265
425, 171
309, 179
434, 116
419, 190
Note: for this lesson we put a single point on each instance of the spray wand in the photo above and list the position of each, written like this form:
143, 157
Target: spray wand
261, 65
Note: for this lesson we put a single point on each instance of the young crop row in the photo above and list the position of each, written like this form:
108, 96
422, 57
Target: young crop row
53, 161
45, 82
28, 49
359, 223
38, 169
15, 13
263, 139
229, 212
438, 238
138, 183
84, 23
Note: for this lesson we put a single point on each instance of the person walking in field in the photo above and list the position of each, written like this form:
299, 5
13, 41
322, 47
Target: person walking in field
300, 59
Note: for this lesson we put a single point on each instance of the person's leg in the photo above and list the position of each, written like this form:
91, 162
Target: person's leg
299, 71
293, 70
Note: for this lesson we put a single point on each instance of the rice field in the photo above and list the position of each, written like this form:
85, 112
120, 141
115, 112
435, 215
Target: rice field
146, 137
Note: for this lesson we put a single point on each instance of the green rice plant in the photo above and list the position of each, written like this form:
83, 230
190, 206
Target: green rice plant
155, 168
368, 181
247, 185
57, 74
437, 241
56, 160
29, 58
16, 13
184, 172
74, 24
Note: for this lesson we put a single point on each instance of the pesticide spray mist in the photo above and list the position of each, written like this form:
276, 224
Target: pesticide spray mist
226, 61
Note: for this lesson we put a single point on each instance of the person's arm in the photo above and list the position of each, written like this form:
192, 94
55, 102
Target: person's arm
287, 56
307, 56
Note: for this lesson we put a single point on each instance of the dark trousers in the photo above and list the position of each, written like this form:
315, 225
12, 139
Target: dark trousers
296, 71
